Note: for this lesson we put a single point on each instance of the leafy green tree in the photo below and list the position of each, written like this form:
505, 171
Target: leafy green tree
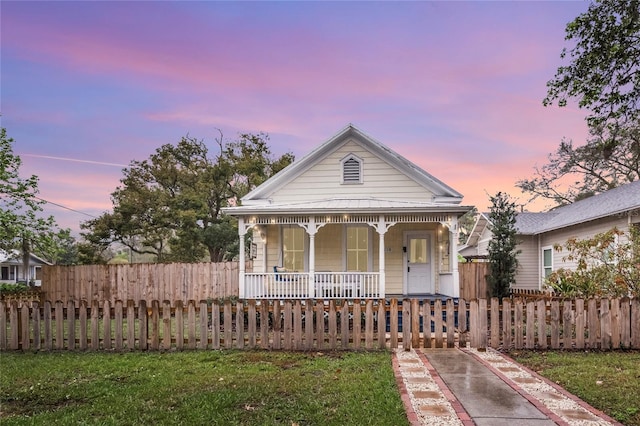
22, 226
502, 247
170, 205
607, 265
59, 248
466, 223
604, 69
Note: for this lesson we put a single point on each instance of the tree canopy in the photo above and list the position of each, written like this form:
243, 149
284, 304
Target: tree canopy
604, 69
502, 247
170, 205
22, 224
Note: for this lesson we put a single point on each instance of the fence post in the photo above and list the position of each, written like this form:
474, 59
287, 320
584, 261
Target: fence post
382, 324
59, 313
24, 327
71, 324
615, 323
393, 323
3, 325
605, 324
106, 319
415, 323
166, 322
635, 323
450, 323
474, 323
506, 323
204, 324
495, 323
48, 338
463, 329
406, 324
143, 319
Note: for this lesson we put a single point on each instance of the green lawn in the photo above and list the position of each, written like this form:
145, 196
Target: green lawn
204, 387
609, 381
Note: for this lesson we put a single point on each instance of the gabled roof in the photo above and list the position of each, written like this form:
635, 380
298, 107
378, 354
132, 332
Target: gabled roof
616, 201
482, 221
262, 192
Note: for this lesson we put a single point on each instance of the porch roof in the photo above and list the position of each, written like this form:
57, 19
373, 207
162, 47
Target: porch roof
347, 205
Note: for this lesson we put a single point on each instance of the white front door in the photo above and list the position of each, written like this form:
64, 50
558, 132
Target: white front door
419, 277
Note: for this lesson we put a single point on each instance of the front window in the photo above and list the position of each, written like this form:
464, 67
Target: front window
358, 248
293, 248
547, 261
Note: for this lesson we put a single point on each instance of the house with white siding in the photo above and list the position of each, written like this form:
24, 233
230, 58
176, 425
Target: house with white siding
351, 219
538, 233
11, 268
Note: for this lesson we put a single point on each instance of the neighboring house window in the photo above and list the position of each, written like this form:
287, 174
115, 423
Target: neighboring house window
5, 273
351, 169
357, 248
609, 253
547, 261
293, 248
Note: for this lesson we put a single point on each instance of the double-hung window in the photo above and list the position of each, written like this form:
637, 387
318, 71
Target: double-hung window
293, 251
358, 248
547, 262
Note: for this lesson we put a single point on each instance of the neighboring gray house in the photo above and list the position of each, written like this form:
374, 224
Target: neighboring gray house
350, 219
11, 268
477, 244
539, 232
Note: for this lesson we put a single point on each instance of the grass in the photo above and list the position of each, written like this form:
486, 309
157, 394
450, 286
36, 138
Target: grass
609, 381
204, 387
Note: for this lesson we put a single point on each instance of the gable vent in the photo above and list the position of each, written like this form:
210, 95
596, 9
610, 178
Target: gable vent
351, 171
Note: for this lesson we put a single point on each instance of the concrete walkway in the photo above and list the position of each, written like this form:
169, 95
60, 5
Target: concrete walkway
467, 387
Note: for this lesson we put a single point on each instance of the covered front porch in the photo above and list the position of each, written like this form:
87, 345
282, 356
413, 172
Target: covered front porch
346, 254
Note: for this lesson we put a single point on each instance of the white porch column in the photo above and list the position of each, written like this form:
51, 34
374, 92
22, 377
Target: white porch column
381, 261
453, 255
382, 227
242, 230
311, 230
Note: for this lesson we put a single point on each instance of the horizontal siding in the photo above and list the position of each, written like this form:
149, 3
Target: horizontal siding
527, 274
582, 231
323, 180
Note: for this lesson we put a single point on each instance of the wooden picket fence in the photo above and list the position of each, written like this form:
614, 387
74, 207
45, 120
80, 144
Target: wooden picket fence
141, 281
602, 324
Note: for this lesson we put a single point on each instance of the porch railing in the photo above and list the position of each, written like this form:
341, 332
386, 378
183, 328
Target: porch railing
325, 285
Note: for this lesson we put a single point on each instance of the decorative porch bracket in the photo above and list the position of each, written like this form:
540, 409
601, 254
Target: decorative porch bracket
382, 226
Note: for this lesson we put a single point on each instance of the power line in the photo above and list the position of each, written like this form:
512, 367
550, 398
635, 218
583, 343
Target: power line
65, 207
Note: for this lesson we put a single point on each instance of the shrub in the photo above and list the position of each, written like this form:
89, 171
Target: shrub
608, 265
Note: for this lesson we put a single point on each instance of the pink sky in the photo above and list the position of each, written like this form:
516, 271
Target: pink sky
456, 87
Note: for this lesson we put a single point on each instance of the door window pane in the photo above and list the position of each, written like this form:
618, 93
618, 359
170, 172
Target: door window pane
418, 251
